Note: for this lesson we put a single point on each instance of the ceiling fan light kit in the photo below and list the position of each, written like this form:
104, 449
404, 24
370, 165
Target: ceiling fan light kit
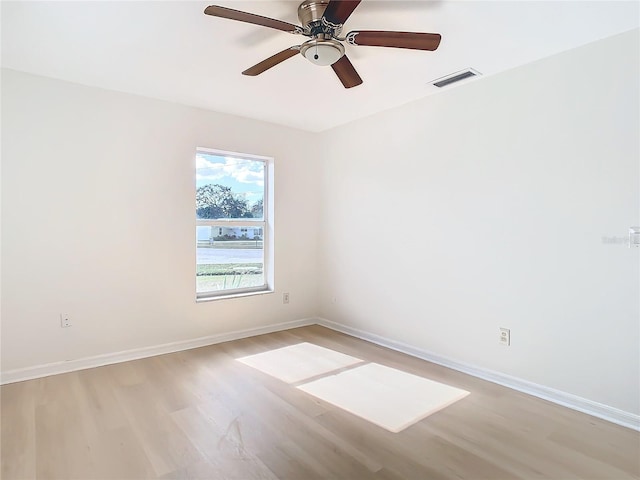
322, 20
322, 52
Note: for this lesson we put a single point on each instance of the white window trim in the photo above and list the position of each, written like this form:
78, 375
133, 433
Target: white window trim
267, 225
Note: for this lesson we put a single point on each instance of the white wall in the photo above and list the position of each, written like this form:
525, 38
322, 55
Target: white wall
98, 221
507, 185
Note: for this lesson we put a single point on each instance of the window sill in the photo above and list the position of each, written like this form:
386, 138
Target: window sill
233, 295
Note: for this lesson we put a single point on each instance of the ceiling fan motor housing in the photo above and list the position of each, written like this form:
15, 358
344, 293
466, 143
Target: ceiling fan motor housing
311, 11
311, 15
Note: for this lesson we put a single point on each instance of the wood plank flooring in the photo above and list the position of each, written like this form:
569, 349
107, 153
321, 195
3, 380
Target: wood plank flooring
200, 414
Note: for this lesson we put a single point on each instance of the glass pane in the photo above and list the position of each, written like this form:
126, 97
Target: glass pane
229, 257
229, 187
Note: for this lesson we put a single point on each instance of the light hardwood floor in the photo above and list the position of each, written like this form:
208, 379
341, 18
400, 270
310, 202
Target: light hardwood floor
201, 414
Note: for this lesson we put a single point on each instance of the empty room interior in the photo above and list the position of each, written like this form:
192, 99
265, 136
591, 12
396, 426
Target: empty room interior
320, 240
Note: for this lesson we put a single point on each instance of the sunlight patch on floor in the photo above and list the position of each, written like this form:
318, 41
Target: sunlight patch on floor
384, 396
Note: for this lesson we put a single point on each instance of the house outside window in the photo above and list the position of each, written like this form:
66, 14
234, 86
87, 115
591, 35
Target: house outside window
233, 224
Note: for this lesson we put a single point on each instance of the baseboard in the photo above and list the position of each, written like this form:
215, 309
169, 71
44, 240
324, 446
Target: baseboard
38, 371
599, 410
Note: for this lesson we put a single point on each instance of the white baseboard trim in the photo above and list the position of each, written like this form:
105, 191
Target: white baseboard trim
605, 412
29, 373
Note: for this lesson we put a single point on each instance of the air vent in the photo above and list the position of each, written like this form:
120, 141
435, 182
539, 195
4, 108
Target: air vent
455, 77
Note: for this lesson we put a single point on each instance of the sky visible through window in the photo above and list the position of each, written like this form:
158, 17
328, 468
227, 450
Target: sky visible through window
244, 177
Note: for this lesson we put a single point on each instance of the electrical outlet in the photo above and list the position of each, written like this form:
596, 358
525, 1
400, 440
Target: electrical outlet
505, 337
285, 298
65, 321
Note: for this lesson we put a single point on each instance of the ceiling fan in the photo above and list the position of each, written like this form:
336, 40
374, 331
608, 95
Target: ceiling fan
322, 21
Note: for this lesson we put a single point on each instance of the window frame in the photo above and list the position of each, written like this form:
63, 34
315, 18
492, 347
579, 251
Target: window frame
266, 225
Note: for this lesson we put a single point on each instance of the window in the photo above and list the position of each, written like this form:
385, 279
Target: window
233, 245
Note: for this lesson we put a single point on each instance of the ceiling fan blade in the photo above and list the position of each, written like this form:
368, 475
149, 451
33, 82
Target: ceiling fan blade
346, 73
272, 61
232, 14
338, 11
379, 38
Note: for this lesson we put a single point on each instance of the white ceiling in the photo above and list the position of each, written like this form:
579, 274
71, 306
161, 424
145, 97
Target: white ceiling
172, 51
